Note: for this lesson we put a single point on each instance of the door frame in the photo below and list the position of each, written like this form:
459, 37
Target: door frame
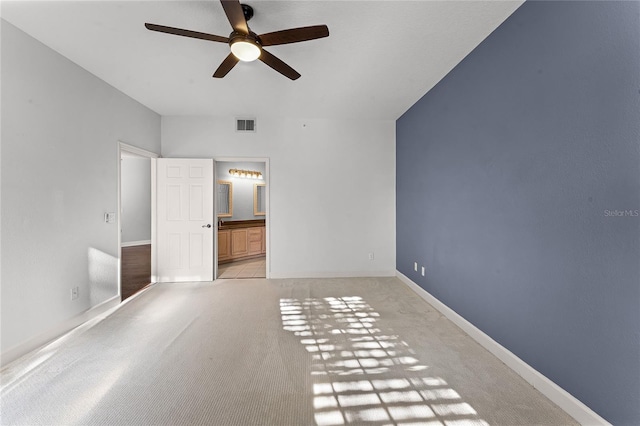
124, 147
267, 181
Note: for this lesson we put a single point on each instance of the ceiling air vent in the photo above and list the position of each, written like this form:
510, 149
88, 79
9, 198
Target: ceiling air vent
245, 124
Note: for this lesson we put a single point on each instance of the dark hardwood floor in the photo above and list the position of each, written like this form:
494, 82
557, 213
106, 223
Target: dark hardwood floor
136, 269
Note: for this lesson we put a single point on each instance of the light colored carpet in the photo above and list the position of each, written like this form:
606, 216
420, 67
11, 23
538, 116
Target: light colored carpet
271, 352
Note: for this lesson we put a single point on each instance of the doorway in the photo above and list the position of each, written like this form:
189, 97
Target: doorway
242, 218
136, 187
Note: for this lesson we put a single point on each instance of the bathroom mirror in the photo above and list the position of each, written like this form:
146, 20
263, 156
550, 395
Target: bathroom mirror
225, 198
259, 199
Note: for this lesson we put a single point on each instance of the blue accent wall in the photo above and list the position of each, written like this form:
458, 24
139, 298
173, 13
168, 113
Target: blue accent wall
518, 187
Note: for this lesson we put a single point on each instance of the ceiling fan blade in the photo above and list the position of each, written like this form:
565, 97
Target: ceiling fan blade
226, 66
186, 33
294, 35
278, 65
234, 13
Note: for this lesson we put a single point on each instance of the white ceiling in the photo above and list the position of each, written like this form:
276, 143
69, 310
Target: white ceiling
380, 57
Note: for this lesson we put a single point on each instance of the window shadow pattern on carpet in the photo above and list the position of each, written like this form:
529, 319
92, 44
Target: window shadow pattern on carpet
365, 373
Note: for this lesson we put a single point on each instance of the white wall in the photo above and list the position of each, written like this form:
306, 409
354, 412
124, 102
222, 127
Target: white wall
136, 199
60, 132
332, 187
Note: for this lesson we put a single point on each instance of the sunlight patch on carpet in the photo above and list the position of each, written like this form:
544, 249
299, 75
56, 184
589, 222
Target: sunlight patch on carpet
344, 338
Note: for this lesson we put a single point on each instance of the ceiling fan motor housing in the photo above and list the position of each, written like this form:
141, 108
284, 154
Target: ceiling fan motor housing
236, 36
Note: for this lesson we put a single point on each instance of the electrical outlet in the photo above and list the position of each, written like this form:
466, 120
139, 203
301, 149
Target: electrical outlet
75, 291
423, 271
371, 256
415, 266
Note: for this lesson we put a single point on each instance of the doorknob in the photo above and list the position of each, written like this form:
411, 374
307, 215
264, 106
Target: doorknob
208, 225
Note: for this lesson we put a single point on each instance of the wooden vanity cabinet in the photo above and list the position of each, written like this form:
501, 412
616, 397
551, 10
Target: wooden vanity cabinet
254, 238
224, 245
237, 243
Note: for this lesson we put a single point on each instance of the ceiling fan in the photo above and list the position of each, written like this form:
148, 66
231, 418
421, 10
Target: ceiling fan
246, 45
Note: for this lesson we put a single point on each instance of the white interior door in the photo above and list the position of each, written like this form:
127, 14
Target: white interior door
185, 223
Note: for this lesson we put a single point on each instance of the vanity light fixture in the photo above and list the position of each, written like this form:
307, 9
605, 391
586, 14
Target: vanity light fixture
249, 174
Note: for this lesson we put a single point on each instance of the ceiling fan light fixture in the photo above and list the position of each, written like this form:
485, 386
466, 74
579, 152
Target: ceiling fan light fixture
245, 50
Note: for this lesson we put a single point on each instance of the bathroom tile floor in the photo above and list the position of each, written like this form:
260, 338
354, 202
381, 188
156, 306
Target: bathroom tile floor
252, 268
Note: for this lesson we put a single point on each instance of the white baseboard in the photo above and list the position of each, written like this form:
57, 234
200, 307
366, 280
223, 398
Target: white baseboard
34, 343
571, 405
136, 243
331, 274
